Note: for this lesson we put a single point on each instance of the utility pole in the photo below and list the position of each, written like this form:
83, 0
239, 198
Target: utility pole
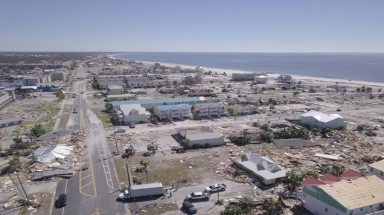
129, 175
22, 187
17, 187
117, 148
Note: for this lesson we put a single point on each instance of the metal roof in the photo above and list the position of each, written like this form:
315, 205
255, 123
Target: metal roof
357, 193
159, 101
203, 136
322, 117
11, 119
262, 166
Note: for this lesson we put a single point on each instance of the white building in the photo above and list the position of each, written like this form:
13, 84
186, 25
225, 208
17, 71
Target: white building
260, 79
133, 113
377, 169
322, 120
262, 167
203, 110
114, 89
205, 139
364, 195
179, 112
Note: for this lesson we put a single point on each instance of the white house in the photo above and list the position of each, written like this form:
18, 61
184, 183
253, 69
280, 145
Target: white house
322, 120
260, 79
205, 139
364, 195
133, 113
377, 169
265, 169
180, 111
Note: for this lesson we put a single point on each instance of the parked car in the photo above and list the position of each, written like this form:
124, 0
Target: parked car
147, 154
215, 188
61, 201
132, 125
189, 208
196, 196
120, 130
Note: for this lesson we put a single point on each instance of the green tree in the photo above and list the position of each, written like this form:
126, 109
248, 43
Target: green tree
152, 148
231, 111
185, 143
109, 108
130, 150
37, 131
271, 206
292, 180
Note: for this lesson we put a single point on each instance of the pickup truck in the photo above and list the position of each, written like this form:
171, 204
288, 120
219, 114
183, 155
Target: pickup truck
196, 196
215, 188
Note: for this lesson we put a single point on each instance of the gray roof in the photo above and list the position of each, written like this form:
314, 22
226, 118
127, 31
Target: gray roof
261, 166
11, 119
203, 136
292, 143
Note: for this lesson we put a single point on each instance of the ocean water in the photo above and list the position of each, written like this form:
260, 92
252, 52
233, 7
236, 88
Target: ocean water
349, 66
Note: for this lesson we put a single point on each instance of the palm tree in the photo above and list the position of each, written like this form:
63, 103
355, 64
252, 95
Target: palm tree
152, 148
271, 206
337, 170
293, 180
145, 164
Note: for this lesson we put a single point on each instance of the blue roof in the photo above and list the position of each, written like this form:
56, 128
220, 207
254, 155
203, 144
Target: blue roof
173, 107
178, 100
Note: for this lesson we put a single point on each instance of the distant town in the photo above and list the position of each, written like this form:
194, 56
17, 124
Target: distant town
89, 133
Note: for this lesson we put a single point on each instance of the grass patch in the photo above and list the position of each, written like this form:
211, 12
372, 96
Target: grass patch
104, 118
121, 170
159, 209
64, 120
168, 173
47, 121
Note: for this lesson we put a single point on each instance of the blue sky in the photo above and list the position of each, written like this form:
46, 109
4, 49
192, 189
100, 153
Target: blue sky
194, 25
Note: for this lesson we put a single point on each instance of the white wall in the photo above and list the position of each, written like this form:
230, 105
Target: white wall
212, 142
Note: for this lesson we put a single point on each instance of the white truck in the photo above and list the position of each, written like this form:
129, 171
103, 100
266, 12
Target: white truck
142, 190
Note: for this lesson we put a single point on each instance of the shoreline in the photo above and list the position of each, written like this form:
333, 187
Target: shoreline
272, 75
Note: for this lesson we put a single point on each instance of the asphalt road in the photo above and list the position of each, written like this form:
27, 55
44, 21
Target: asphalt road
92, 191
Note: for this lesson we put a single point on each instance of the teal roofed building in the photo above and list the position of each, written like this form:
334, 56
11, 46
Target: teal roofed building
171, 112
363, 195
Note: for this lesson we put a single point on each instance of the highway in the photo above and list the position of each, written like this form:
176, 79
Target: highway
92, 191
